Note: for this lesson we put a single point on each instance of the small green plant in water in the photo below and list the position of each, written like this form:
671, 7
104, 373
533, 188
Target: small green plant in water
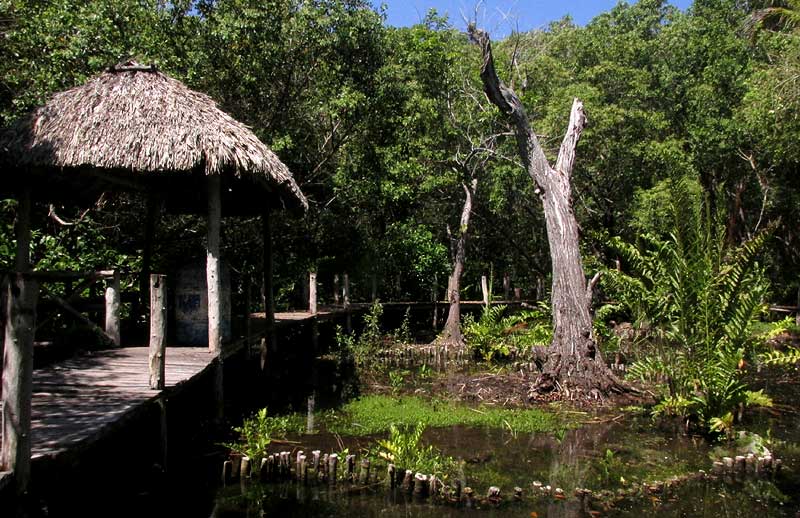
405, 450
258, 431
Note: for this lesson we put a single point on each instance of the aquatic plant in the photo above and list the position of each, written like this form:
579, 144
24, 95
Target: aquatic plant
376, 413
404, 449
257, 432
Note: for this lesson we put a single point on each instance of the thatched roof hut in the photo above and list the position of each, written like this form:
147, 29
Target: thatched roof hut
136, 127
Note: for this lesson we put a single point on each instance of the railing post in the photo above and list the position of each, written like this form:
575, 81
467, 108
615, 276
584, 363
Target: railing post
348, 316
112, 308
158, 330
17, 379
312, 293
336, 294
485, 291
213, 279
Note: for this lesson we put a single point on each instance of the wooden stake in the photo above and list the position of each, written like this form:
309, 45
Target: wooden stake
248, 328
420, 485
263, 472
22, 229
268, 288
112, 308
333, 465
312, 293
213, 278
151, 220
517, 294
163, 433
336, 294
797, 309
408, 481
245, 467
227, 472
346, 300
363, 477
158, 329
506, 286
15, 455
485, 291
350, 461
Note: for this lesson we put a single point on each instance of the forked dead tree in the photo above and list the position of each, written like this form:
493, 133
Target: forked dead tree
451, 334
574, 364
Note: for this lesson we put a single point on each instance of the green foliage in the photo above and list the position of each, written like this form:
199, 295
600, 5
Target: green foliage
699, 299
404, 449
375, 414
257, 432
791, 356
396, 380
403, 333
498, 334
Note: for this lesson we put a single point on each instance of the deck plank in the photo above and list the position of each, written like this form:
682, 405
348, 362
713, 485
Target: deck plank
76, 400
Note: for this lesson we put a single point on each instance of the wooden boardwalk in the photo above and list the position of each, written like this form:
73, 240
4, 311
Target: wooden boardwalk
76, 401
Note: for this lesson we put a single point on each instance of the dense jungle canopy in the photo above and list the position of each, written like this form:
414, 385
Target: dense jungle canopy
382, 126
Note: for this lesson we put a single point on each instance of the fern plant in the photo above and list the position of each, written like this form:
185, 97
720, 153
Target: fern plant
698, 299
499, 333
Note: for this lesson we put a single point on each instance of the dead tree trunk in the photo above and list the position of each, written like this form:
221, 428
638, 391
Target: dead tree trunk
574, 364
451, 334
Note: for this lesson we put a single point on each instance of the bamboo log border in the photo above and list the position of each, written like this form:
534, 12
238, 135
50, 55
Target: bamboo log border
358, 475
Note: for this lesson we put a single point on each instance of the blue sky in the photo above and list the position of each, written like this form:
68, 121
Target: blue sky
500, 16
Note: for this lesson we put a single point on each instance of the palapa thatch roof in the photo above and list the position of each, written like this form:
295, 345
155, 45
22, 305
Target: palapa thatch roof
133, 121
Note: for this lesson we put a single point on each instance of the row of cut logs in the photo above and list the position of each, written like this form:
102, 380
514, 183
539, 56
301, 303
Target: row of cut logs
330, 469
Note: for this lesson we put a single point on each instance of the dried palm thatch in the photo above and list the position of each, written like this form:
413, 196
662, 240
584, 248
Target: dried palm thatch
135, 119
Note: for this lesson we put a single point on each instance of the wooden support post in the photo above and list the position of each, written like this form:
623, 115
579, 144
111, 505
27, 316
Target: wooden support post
336, 287
350, 467
15, 455
363, 477
153, 207
164, 435
22, 229
333, 466
312, 293
506, 286
112, 308
346, 297
434, 299
213, 279
346, 289
158, 330
269, 290
797, 308
485, 291
517, 294
248, 328
219, 391
310, 406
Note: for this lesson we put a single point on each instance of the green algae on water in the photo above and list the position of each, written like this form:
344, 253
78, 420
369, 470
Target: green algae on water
375, 413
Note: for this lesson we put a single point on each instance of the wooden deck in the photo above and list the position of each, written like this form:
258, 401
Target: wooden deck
77, 400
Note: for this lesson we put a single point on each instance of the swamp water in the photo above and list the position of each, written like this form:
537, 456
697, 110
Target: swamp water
614, 455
